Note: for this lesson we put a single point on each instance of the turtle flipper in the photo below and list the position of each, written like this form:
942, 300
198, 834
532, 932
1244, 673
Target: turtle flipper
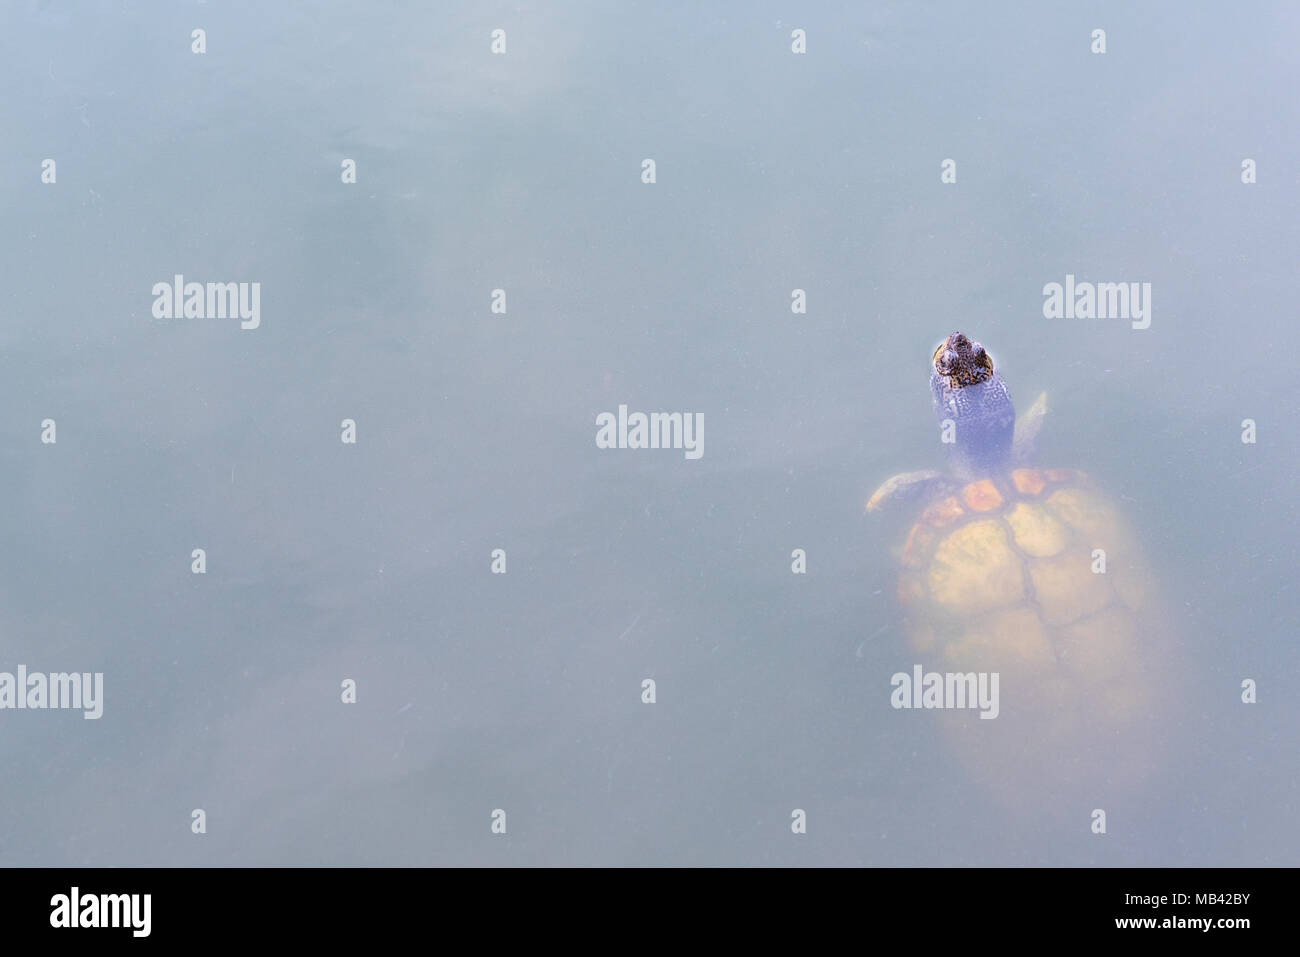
1027, 426
905, 487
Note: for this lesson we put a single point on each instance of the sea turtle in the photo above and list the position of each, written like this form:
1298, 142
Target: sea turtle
1032, 574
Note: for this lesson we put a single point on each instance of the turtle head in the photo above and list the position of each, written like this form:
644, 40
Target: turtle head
969, 392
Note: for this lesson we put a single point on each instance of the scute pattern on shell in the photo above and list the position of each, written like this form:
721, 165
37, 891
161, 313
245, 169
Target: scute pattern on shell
1029, 542
999, 577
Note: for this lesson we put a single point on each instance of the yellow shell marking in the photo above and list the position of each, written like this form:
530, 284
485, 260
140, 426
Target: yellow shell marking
974, 569
1035, 531
1066, 588
1013, 642
1102, 655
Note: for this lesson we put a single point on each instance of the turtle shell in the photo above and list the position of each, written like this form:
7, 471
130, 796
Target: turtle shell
1035, 576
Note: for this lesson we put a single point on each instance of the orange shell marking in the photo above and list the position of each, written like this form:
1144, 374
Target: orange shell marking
1028, 481
941, 513
981, 496
919, 541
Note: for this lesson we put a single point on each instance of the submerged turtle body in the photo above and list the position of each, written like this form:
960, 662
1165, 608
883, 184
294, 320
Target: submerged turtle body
1032, 574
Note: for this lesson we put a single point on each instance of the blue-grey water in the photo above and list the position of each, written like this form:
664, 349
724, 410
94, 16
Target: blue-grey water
478, 171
